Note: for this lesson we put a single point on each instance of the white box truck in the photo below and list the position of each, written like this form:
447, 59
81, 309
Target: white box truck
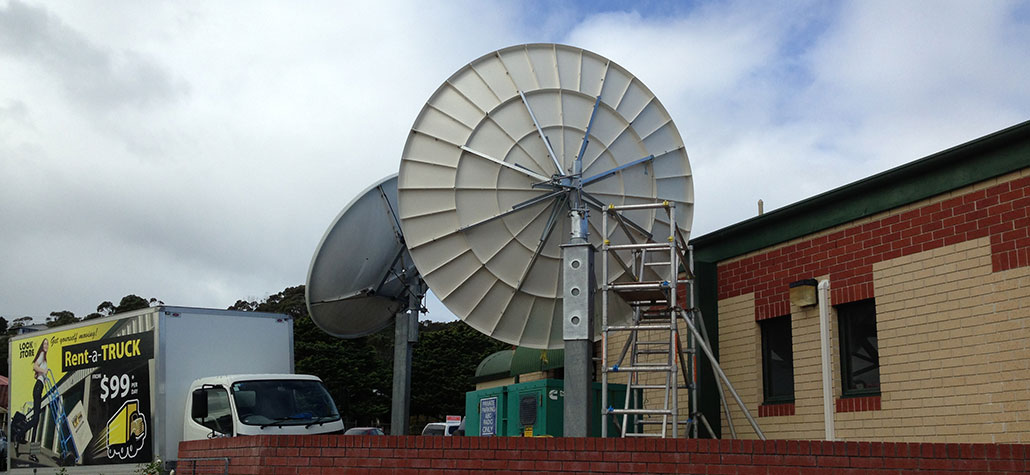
111, 394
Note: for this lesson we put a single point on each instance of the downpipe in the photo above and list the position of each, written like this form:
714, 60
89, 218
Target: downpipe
824, 347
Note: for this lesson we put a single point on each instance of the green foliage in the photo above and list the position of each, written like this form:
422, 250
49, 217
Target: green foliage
131, 302
18, 323
63, 317
152, 468
443, 365
5, 355
105, 308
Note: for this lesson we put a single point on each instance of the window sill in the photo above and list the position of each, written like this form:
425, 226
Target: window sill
858, 404
776, 409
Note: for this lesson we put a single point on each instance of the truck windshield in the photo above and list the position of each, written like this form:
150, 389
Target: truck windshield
282, 402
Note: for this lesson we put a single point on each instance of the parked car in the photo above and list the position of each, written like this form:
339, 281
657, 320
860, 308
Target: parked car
435, 428
444, 428
364, 431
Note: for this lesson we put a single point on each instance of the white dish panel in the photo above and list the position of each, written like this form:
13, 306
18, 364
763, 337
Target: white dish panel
354, 287
469, 167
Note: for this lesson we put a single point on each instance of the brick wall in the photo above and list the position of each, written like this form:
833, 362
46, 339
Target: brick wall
295, 455
997, 209
950, 279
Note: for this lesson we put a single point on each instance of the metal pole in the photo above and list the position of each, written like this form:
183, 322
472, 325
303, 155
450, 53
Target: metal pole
578, 316
695, 380
824, 347
674, 339
405, 335
604, 327
577, 330
725, 379
700, 321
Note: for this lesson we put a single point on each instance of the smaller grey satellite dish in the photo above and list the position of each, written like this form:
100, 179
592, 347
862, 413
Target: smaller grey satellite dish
358, 277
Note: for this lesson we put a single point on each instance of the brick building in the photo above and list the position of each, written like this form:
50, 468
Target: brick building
928, 267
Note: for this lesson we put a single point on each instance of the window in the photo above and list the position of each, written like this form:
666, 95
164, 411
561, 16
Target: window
219, 415
283, 402
777, 360
860, 355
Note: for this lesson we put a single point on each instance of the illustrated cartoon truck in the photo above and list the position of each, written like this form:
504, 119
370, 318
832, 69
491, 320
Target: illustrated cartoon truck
126, 431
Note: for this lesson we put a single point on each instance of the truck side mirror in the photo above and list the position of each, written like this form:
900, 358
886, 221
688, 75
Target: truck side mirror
198, 410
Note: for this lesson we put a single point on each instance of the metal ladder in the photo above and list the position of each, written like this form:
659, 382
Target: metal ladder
653, 356
651, 286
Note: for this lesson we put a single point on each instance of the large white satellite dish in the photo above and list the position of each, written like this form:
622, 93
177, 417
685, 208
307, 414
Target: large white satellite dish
357, 279
488, 167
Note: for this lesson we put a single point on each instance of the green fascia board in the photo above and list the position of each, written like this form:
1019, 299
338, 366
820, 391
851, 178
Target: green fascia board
1002, 152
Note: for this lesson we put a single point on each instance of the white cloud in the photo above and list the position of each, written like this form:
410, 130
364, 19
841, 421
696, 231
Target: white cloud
196, 152
784, 101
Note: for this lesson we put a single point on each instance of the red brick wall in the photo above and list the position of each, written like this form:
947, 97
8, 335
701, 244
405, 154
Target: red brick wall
446, 455
847, 256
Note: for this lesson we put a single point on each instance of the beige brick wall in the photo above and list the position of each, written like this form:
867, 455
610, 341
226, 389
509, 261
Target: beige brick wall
954, 341
740, 348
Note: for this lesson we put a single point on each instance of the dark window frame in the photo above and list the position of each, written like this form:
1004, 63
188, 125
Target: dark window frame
849, 322
769, 370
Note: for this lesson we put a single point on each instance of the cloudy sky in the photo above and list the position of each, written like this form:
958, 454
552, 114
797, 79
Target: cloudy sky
196, 151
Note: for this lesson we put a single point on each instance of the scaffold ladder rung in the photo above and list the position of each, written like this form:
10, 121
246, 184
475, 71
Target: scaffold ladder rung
644, 434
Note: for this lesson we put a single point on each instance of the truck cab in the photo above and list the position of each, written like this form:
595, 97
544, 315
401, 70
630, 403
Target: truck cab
259, 404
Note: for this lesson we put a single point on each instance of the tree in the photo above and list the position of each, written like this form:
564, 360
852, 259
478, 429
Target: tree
4, 355
105, 308
131, 302
62, 317
244, 306
19, 322
443, 365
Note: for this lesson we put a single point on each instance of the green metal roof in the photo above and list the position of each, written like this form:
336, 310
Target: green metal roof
506, 363
996, 154
529, 360
495, 366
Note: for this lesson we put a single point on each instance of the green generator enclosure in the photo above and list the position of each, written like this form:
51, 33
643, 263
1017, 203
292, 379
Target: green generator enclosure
534, 408
485, 412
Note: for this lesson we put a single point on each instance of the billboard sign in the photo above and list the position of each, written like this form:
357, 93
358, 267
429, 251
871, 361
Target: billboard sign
83, 396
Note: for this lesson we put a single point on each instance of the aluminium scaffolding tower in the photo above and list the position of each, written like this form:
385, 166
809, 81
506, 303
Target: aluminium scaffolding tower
657, 285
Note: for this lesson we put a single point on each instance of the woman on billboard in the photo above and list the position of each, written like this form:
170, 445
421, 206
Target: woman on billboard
39, 367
